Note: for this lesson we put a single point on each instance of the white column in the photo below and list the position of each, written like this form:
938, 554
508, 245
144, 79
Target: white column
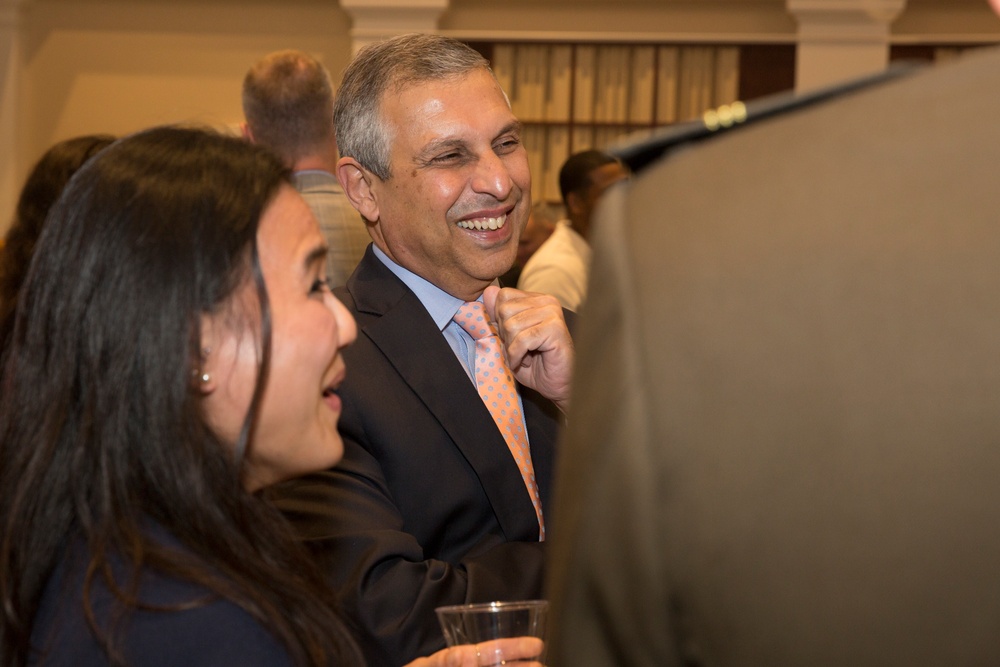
10, 103
840, 40
375, 20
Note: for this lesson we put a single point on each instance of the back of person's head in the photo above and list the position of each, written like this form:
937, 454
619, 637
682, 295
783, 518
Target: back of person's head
288, 104
574, 175
101, 427
386, 67
41, 190
546, 213
541, 224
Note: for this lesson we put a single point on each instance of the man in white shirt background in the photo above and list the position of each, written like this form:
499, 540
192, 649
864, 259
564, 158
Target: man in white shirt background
559, 267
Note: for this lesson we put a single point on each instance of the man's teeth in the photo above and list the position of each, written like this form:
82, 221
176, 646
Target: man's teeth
483, 223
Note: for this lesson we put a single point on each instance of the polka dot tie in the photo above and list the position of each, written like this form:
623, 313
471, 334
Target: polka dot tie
497, 389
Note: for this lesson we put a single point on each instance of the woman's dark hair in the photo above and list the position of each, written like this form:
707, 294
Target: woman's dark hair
101, 427
44, 185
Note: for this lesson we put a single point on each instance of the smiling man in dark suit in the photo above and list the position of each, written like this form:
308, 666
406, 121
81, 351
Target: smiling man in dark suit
431, 505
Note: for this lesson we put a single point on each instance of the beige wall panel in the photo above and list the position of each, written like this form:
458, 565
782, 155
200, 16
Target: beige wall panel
121, 66
640, 17
960, 19
10, 84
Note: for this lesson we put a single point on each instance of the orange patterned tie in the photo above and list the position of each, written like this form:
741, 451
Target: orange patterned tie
496, 386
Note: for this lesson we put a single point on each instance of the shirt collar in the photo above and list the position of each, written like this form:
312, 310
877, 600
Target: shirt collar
441, 305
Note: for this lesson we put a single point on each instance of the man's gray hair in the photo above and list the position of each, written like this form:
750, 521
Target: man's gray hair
387, 67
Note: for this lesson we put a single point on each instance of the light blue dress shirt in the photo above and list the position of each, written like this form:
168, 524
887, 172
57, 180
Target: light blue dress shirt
442, 308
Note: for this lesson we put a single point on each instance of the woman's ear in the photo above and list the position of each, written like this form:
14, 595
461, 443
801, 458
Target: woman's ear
202, 379
357, 183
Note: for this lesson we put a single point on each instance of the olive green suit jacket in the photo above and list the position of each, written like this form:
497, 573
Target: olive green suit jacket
784, 443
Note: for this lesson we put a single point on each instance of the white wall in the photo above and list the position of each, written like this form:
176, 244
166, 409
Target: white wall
98, 66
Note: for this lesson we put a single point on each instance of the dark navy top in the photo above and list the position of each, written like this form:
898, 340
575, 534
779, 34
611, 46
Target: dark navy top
216, 632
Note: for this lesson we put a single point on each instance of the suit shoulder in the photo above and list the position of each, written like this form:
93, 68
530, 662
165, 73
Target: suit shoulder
344, 295
639, 154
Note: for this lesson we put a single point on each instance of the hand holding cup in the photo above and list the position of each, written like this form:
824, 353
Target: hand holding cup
500, 633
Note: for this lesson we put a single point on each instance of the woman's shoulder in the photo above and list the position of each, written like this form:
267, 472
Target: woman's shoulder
177, 622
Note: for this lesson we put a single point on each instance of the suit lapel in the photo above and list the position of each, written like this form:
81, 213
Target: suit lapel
401, 328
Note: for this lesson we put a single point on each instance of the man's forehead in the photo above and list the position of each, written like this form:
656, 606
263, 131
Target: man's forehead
437, 118
408, 84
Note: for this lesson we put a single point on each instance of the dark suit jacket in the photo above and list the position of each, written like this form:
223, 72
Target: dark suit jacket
784, 446
428, 507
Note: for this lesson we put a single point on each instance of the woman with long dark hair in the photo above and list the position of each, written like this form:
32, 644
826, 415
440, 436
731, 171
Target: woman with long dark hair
176, 349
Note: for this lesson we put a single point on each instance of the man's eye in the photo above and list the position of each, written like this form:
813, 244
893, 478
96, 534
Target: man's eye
507, 145
448, 157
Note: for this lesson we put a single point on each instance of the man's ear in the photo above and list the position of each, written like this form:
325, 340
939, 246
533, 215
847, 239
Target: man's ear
574, 204
246, 132
357, 183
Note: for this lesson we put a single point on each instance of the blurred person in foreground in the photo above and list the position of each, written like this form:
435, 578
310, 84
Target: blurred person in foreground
784, 447
288, 105
560, 265
440, 498
40, 191
176, 351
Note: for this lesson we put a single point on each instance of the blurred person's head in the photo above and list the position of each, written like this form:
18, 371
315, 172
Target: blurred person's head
541, 224
583, 178
177, 347
288, 106
432, 157
41, 190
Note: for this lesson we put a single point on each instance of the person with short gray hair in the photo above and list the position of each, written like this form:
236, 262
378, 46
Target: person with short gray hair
386, 68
